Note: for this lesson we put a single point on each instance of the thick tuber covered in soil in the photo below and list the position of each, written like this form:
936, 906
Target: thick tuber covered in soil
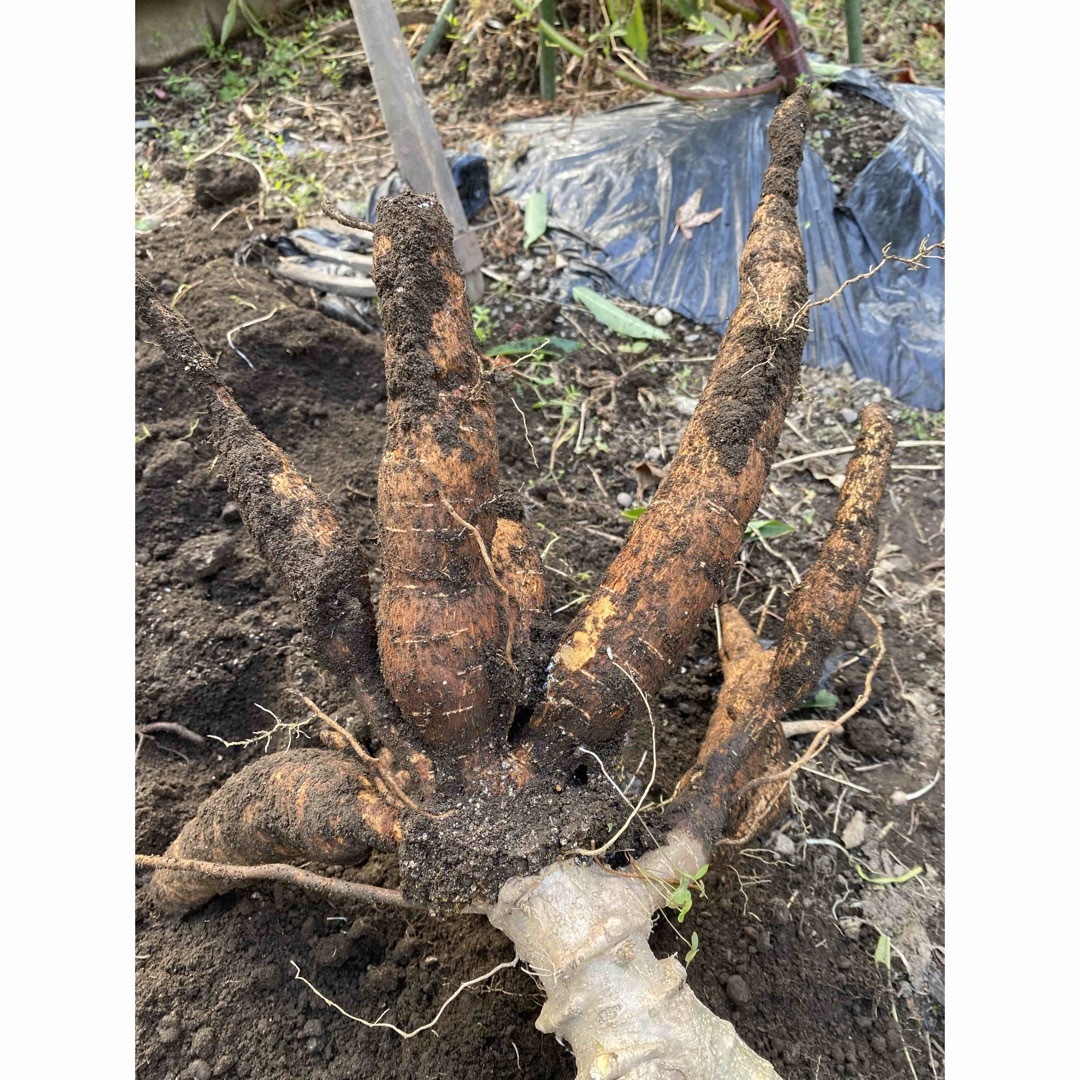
488, 736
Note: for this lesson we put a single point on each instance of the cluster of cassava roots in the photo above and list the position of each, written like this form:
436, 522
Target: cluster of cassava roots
482, 724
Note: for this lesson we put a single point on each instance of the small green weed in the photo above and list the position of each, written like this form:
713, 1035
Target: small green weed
481, 317
923, 424
681, 897
767, 530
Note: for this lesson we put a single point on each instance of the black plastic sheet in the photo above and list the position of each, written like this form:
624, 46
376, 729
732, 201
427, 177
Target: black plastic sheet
470, 175
615, 180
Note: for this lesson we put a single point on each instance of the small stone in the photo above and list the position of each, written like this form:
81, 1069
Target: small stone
202, 557
849, 416
230, 513
199, 1070
313, 1029
662, 317
850, 927
782, 844
625, 499
779, 915
737, 990
684, 405
854, 831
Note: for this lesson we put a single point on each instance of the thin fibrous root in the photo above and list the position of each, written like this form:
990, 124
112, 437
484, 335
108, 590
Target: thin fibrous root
300, 805
334, 211
331, 888
380, 1023
385, 780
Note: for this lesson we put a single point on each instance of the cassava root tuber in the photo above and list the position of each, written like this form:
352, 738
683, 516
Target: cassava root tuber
488, 723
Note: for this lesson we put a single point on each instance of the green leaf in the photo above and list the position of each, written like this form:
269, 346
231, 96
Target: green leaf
827, 71
541, 345
252, 20
821, 699
875, 880
693, 948
614, 318
536, 217
701, 873
883, 952
637, 37
229, 21
766, 530
634, 512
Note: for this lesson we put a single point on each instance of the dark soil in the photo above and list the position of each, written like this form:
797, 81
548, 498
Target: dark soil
789, 931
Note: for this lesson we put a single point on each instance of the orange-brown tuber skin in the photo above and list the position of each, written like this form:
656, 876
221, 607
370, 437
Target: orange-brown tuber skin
741, 744
670, 571
747, 667
296, 529
823, 605
520, 570
297, 805
443, 619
